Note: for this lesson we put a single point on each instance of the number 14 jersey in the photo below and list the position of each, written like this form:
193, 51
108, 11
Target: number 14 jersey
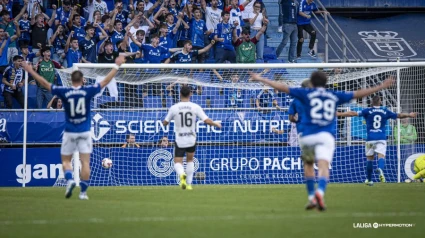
184, 115
76, 102
376, 122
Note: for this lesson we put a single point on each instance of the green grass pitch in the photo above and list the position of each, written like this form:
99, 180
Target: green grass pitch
212, 211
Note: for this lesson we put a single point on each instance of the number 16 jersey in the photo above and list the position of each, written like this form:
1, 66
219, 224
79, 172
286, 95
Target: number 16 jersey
184, 115
376, 122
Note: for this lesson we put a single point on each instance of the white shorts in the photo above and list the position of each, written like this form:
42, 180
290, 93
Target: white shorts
76, 142
324, 145
376, 146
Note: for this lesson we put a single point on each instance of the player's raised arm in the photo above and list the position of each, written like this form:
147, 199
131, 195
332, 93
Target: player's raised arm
407, 115
120, 60
347, 114
368, 91
43, 82
279, 86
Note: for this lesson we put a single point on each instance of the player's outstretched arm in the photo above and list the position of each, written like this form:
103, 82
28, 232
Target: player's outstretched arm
368, 91
407, 115
119, 61
212, 123
279, 86
347, 114
43, 82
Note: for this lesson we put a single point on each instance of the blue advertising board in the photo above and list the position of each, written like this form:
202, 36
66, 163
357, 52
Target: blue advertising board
219, 164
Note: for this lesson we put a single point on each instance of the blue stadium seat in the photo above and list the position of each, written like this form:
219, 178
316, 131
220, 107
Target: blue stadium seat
259, 61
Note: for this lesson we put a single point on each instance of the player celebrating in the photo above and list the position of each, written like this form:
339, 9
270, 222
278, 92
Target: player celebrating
317, 139
77, 136
184, 115
376, 120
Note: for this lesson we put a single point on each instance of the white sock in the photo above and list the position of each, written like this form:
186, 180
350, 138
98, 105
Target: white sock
179, 168
190, 168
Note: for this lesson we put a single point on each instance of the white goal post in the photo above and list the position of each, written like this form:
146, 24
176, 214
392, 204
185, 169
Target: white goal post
257, 144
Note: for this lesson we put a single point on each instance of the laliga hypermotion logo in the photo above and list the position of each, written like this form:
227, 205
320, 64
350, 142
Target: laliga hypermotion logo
385, 44
99, 127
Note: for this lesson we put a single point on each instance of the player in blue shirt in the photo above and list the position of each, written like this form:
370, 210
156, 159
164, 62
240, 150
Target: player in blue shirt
296, 111
318, 119
376, 143
307, 7
77, 135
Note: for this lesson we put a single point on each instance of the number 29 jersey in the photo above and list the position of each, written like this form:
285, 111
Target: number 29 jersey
376, 122
76, 102
319, 108
184, 115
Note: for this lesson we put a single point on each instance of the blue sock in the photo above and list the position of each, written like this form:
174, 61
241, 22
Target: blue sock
84, 184
321, 187
68, 174
310, 186
369, 169
381, 163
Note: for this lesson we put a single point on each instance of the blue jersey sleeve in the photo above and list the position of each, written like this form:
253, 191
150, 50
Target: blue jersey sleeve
391, 115
92, 90
344, 97
58, 91
292, 109
363, 113
298, 93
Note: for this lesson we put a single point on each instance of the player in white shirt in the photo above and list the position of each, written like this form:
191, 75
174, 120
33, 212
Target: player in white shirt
184, 115
76, 137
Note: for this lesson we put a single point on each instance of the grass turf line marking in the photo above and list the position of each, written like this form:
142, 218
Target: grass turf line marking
212, 218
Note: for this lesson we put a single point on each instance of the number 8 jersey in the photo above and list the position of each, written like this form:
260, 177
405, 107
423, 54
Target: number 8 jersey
76, 101
376, 122
319, 108
184, 115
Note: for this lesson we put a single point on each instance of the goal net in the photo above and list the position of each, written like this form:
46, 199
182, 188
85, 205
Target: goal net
257, 144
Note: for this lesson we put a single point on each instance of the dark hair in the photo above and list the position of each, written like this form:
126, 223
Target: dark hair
224, 13
23, 46
75, 16
154, 36
88, 27
376, 100
169, 14
108, 42
105, 17
77, 76
44, 49
140, 32
17, 57
246, 31
318, 79
116, 22
185, 91
55, 103
4, 12
128, 136
73, 38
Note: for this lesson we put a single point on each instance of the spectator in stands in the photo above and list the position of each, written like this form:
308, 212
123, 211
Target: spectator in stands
153, 52
186, 55
121, 14
76, 25
164, 142
72, 53
39, 32
131, 142
223, 36
58, 41
46, 68
135, 27
235, 11
265, 99
198, 30
234, 95
307, 7
290, 30
14, 83
184, 31
213, 14
35, 7
55, 103
24, 26
107, 55
246, 46
257, 20
136, 43
12, 28
89, 42
97, 5
26, 55
63, 13
408, 133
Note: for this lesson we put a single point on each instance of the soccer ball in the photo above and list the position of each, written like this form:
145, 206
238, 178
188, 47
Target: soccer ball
106, 163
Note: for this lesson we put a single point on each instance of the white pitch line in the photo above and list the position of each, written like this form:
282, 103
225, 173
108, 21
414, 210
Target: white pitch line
210, 218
